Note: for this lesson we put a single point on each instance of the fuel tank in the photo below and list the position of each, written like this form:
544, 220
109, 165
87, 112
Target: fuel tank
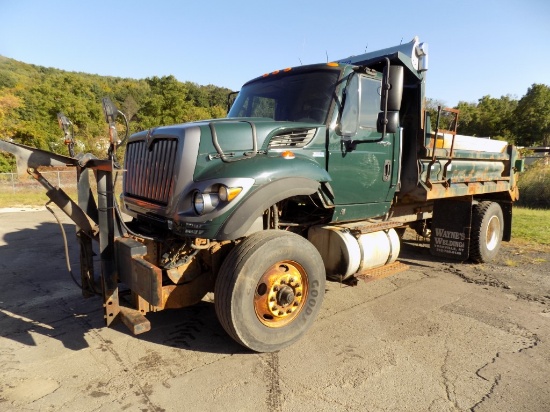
345, 254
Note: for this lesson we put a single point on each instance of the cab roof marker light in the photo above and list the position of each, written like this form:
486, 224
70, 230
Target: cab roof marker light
287, 69
333, 64
276, 72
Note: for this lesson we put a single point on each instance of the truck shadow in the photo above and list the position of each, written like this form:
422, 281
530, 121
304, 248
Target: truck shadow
193, 328
39, 301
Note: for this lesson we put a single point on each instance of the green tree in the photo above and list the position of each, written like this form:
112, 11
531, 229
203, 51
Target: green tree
532, 116
166, 104
494, 117
8, 103
467, 118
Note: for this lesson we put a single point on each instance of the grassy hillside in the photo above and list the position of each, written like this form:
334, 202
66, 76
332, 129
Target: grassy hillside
31, 96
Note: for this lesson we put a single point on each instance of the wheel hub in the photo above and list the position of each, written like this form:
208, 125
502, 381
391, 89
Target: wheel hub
280, 293
285, 296
493, 233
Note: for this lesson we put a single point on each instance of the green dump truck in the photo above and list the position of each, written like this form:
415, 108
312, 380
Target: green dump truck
313, 174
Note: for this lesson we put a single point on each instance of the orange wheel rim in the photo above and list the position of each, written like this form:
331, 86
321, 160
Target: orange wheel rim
281, 293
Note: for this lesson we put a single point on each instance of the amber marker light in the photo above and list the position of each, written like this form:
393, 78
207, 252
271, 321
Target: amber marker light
287, 154
227, 194
332, 64
287, 69
275, 72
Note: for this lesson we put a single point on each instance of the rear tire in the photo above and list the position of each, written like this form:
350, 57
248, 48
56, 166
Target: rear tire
269, 290
487, 230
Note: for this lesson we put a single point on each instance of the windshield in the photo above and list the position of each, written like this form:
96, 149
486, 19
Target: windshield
299, 97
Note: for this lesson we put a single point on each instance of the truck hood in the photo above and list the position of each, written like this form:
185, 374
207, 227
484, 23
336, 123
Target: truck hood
237, 134
165, 165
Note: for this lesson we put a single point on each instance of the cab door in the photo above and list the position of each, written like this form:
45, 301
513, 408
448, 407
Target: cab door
362, 160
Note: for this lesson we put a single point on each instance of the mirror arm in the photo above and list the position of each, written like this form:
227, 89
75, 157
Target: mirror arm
386, 86
126, 125
111, 112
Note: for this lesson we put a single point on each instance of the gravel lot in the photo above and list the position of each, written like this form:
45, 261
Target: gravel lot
441, 336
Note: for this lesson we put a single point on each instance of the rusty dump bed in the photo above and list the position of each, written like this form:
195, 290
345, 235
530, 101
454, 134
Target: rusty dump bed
455, 165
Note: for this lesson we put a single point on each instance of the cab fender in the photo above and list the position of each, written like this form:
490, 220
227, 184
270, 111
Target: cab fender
246, 213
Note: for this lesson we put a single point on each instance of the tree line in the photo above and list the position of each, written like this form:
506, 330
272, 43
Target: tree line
524, 122
31, 96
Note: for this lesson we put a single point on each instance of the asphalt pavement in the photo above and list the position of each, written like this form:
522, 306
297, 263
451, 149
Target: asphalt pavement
432, 338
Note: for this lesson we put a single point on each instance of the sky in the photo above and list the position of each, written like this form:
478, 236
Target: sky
476, 48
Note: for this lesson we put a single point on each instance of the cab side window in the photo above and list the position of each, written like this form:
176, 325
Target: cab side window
361, 106
370, 102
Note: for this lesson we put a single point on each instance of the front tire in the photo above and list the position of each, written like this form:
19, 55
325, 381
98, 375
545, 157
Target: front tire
487, 230
269, 290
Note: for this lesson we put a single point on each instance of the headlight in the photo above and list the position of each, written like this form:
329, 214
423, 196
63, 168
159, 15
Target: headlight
205, 202
198, 203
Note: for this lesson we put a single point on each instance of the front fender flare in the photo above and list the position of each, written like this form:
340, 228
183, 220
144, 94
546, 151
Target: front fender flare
247, 212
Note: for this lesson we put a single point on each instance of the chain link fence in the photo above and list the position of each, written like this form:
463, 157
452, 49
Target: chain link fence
65, 179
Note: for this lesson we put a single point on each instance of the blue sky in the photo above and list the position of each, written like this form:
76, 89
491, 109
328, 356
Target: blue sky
476, 48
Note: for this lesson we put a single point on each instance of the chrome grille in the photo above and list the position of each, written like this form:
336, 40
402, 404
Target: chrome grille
150, 169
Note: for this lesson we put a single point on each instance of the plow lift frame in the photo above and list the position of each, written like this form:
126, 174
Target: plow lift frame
99, 222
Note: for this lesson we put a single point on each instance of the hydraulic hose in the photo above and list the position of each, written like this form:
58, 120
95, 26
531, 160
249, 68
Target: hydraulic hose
66, 245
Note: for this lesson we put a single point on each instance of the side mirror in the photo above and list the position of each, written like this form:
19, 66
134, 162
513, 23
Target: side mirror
390, 103
390, 121
64, 123
231, 97
392, 88
110, 110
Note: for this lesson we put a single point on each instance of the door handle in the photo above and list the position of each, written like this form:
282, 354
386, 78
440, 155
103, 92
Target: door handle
387, 170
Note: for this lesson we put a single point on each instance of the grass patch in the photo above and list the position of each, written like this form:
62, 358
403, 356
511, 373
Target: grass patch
531, 225
534, 186
28, 198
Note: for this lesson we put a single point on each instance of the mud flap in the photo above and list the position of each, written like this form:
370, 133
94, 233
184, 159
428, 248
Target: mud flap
451, 226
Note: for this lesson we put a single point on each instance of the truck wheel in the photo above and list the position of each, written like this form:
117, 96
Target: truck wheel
487, 229
269, 290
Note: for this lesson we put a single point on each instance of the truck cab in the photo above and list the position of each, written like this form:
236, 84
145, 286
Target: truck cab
318, 131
